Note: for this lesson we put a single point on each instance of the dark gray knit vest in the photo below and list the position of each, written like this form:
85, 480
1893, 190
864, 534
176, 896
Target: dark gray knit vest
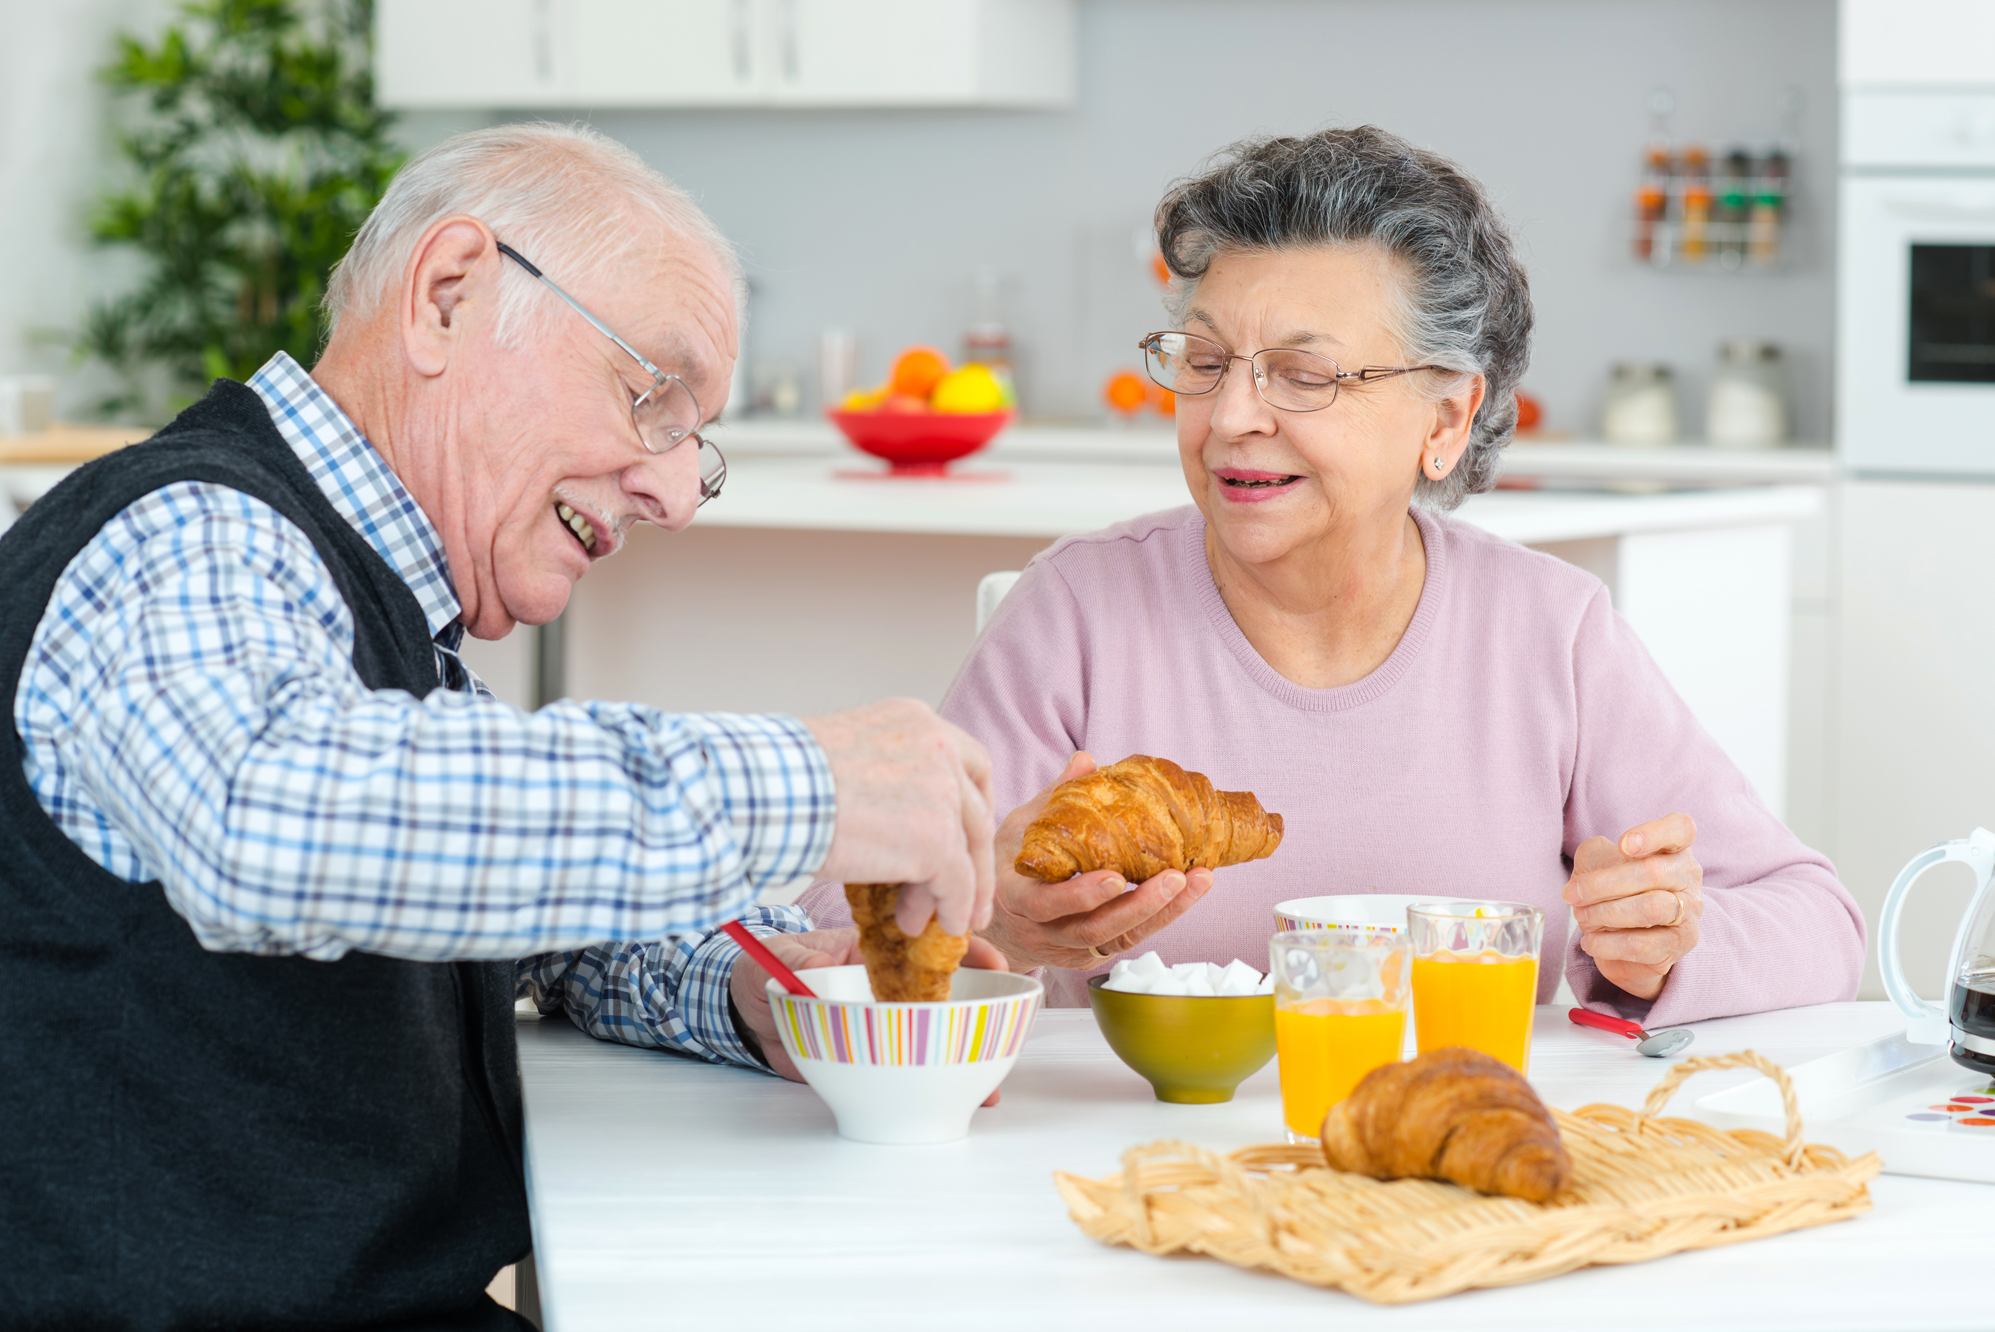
214, 1140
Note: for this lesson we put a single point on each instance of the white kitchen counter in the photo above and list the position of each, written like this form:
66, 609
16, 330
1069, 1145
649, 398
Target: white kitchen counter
1056, 499
1530, 457
673, 1194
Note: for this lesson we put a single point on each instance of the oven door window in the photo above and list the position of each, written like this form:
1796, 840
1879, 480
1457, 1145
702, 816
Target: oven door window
1953, 315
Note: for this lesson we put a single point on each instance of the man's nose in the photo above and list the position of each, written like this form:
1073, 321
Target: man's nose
666, 486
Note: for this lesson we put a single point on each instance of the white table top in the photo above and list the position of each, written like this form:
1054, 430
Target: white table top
1054, 499
668, 1193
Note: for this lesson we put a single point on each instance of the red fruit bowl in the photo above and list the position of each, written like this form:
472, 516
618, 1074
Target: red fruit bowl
919, 443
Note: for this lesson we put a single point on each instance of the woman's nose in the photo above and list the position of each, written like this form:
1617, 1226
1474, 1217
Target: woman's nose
1238, 407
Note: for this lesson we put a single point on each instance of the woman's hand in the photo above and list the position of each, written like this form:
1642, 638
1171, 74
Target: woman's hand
806, 952
1054, 924
1638, 902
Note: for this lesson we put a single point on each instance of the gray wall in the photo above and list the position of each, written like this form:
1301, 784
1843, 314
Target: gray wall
877, 220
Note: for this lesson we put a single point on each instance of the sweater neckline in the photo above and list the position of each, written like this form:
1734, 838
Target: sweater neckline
1344, 697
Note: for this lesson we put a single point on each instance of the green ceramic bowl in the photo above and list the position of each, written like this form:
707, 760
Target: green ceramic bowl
1193, 1050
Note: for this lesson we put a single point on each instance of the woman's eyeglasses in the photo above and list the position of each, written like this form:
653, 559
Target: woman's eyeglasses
1288, 379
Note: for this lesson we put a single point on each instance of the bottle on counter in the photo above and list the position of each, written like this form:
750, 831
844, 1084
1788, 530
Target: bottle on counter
1641, 405
1748, 406
987, 341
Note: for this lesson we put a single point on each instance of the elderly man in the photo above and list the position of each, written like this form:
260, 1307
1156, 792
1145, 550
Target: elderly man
271, 858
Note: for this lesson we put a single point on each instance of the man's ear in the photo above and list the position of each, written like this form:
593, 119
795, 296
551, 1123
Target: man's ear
454, 270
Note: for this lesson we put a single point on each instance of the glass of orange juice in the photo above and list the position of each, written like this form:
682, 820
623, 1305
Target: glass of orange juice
1340, 1012
1475, 976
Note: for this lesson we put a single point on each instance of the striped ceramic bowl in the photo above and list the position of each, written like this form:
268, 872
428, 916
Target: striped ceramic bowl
903, 1072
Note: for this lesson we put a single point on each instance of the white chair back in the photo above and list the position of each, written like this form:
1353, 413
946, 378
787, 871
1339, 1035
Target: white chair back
990, 591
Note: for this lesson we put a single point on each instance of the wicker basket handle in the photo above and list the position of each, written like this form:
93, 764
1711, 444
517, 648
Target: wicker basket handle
1673, 1079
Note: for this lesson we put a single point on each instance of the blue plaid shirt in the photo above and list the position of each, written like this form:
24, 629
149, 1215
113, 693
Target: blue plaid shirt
190, 713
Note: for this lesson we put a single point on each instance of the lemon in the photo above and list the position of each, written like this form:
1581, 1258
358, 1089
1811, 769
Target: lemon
864, 400
972, 389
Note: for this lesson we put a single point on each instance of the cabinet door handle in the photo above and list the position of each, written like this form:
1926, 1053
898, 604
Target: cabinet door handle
790, 61
738, 35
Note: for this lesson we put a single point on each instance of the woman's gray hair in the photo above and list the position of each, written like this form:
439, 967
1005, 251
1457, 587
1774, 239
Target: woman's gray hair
1465, 303
570, 198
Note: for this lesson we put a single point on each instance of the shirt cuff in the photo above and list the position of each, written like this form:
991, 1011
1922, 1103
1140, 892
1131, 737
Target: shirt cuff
703, 1001
776, 783
703, 985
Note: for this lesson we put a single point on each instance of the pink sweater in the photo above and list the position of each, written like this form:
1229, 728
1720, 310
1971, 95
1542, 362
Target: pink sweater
1518, 717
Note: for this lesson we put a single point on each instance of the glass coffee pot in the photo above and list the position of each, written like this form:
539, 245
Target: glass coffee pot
1966, 1020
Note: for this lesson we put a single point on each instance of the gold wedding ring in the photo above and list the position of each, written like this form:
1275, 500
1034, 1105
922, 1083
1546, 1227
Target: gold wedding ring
1094, 951
1681, 907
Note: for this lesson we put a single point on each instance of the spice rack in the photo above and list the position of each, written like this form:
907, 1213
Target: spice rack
1726, 213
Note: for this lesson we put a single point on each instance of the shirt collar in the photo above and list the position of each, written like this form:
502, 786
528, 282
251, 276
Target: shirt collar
359, 483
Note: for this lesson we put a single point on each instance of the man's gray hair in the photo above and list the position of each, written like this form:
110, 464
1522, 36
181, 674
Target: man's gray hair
1464, 301
570, 198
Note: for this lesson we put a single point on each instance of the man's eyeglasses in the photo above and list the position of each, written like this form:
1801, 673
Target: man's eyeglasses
1294, 381
666, 414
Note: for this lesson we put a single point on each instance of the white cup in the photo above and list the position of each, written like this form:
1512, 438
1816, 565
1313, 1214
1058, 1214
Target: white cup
27, 404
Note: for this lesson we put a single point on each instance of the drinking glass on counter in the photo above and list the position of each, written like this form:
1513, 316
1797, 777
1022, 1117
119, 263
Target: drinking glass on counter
1475, 976
1340, 1012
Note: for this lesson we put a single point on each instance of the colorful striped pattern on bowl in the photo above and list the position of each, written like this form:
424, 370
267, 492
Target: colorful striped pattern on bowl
905, 1035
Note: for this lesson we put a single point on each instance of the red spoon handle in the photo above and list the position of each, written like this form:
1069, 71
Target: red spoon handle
1619, 1026
755, 948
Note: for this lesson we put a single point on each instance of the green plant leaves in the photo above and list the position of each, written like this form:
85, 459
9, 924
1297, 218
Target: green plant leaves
254, 153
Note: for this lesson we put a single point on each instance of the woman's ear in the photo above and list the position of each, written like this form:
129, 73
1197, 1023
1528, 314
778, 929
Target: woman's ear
1448, 436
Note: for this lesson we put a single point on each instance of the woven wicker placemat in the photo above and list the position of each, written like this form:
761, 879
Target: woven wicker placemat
1642, 1187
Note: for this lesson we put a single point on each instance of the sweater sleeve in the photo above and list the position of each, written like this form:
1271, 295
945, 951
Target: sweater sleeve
1779, 929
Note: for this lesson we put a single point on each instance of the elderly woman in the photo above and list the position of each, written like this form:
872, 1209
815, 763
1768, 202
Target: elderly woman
1431, 708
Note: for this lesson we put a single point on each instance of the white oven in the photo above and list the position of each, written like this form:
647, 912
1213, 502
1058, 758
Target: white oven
1915, 345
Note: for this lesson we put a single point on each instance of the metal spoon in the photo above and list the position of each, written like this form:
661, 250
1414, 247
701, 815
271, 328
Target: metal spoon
1654, 1044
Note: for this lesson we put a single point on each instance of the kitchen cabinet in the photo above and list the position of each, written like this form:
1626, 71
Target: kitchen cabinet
1915, 43
721, 53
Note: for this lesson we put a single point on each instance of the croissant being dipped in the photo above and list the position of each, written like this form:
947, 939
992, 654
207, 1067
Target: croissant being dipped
1453, 1114
1140, 817
902, 969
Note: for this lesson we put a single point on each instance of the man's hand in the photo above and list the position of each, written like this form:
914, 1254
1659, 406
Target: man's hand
747, 986
1053, 924
1638, 902
914, 808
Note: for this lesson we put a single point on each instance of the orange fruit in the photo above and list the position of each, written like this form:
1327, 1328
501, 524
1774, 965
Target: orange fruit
1529, 411
917, 371
1165, 401
1126, 391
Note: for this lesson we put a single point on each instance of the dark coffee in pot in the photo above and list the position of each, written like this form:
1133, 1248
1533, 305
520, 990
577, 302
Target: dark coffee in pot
1971, 1002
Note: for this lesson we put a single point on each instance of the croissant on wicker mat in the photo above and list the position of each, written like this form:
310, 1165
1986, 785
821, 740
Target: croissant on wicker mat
902, 969
1143, 816
1453, 1114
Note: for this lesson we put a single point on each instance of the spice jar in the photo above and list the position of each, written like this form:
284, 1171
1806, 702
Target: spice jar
1748, 407
1641, 404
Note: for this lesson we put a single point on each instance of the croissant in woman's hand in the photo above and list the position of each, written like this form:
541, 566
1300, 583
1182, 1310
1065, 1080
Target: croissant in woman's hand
1140, 817
1453, 1114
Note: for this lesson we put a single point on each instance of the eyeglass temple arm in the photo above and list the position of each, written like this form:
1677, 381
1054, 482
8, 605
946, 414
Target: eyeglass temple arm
579, 309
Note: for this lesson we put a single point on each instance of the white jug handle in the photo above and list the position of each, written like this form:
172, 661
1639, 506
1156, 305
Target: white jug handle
1926, 1021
